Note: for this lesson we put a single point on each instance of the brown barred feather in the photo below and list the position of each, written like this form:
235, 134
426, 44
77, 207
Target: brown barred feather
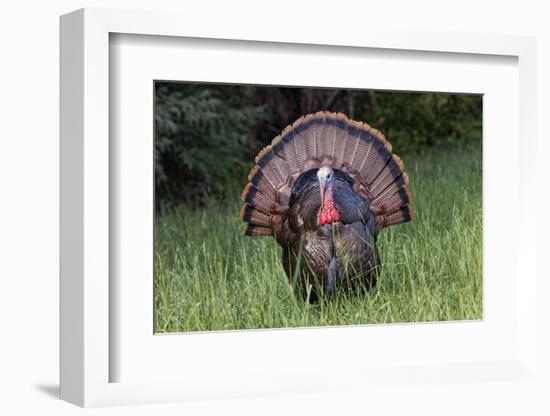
389, 174
399, 162
384, 179
361, 152
390, 191
255, 198
256, 231
281, 166
253, 173
325, 137
272, 174
405, 178
392, 203
245, 191
283, 196
338, 146
300, 147
253, 216
379, 136
310, 139
372, 166
350, 150
402, 215
262, 153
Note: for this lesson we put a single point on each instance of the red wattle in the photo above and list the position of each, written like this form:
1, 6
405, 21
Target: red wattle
329, 213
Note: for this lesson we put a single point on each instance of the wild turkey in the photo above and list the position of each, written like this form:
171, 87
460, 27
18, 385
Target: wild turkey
324, 188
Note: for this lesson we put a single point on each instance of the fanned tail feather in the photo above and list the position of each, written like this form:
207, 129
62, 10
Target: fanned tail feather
332, 139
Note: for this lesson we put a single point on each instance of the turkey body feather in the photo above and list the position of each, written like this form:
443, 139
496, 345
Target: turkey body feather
324, 189
342, 251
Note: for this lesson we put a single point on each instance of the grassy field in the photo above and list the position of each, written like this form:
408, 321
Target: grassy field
210, 277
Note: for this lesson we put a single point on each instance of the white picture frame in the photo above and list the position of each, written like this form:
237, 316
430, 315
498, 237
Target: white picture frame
87, 302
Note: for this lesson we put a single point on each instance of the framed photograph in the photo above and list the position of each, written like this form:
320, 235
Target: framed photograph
321, 197
287, 213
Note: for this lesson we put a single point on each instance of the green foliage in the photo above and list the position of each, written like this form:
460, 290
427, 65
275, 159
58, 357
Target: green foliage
414, 121
203, 139
208, 276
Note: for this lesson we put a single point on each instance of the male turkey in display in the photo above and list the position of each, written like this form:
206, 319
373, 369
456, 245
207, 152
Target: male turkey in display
323, 189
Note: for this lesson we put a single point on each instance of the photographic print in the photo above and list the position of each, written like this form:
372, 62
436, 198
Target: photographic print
280, 207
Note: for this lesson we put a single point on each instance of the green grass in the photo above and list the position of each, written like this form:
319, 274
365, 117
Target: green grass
210, 277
